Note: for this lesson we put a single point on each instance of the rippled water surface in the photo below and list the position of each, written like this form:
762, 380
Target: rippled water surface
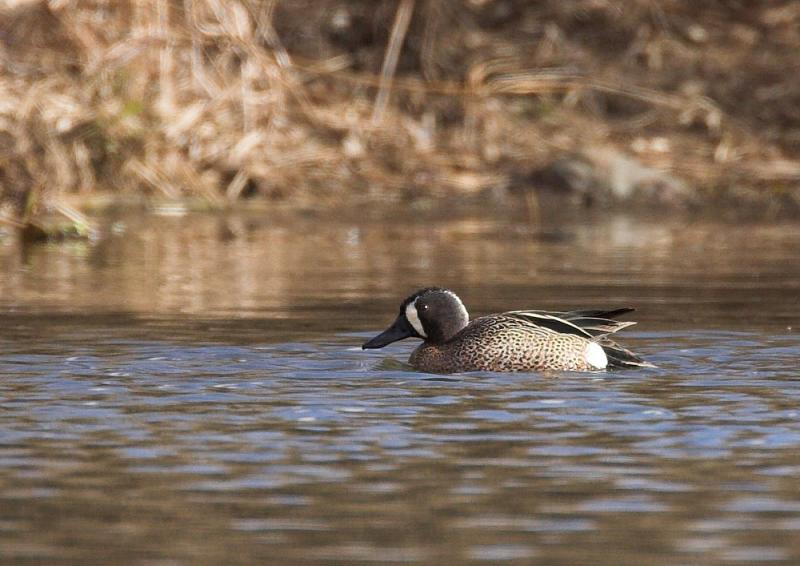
190, 390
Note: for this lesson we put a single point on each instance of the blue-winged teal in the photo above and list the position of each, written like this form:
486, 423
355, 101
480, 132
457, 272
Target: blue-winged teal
510, 341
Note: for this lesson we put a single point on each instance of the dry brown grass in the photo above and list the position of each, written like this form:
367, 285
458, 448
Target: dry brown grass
315, 101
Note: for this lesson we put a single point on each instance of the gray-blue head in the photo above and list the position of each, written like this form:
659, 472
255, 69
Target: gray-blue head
433, 314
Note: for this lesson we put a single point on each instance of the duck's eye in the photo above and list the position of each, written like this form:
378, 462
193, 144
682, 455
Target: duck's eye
423, 307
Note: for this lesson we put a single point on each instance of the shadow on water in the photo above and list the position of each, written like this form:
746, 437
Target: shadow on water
171, 395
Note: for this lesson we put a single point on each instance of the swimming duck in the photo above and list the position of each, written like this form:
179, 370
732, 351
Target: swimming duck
509, 341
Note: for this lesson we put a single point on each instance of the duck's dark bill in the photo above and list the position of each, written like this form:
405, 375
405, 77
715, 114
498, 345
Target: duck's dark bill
397, 331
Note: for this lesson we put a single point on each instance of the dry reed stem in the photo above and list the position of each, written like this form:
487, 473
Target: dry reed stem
399, 29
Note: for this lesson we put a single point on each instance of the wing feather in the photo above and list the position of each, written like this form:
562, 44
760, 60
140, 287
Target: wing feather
585, 323
548, 320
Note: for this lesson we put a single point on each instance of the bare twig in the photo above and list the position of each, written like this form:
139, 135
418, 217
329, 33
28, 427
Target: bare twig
399, 28
265, 29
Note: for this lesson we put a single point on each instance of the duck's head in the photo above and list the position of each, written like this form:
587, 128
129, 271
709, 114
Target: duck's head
434, 314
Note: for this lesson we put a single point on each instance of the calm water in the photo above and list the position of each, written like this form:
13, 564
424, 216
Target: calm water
190, 390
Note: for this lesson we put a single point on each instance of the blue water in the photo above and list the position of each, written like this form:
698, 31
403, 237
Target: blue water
193, 426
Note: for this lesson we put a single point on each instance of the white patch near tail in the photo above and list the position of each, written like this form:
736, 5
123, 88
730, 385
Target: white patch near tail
413, 318
595, 356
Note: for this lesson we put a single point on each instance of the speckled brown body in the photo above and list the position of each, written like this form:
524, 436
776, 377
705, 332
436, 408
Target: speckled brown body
501, 343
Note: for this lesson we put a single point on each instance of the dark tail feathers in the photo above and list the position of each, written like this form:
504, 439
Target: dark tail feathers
620, 358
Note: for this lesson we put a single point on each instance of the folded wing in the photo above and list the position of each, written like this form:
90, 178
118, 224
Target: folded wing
594, 325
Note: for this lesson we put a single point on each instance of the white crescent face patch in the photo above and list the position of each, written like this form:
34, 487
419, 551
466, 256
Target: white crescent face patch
413, 318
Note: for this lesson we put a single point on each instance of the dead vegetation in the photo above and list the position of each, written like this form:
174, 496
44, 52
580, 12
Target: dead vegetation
317, 101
